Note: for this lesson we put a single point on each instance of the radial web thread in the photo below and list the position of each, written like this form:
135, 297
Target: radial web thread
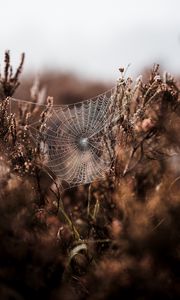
75, 140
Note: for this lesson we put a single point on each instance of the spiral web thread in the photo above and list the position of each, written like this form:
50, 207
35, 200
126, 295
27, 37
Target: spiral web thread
75, 140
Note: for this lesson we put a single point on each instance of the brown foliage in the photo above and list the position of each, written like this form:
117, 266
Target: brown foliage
118, 238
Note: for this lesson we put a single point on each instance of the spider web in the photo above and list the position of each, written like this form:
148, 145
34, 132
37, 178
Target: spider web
75, 140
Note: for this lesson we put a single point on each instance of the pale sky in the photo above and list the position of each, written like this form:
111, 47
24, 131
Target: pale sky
92, 38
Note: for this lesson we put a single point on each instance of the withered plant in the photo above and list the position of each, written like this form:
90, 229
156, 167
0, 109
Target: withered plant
117, 238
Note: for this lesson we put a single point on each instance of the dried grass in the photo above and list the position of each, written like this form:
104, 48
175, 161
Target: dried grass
116, 239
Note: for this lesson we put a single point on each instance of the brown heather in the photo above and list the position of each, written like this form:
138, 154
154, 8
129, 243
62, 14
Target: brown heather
114, 239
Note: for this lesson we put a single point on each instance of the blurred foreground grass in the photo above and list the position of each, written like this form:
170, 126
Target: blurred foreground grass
126, 246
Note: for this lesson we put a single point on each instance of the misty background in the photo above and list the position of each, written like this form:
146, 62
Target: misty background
92, 38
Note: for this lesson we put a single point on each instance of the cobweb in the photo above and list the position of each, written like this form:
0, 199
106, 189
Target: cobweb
75, 140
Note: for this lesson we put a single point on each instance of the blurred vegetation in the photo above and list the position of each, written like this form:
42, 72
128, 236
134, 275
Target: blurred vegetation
114, 239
